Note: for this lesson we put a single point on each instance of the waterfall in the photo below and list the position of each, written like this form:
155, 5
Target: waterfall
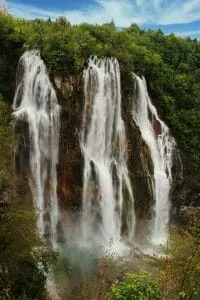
35, 103
108, 204
162, 147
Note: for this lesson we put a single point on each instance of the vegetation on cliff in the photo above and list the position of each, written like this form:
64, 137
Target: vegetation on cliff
169, 63
23, 257
171, 66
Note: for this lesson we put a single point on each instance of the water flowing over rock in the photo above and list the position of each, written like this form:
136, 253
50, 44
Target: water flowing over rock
162, 147
108, 204
35, 104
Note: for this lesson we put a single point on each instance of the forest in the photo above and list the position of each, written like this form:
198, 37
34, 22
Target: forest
171, 67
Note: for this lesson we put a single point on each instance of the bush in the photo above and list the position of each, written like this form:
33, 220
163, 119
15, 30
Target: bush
24, 259
180, 270
135, 287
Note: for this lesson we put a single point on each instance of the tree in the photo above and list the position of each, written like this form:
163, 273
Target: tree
24, 259
134, 287
63, 21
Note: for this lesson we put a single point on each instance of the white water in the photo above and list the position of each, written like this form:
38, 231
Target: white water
36, 103
161, 146
108, 204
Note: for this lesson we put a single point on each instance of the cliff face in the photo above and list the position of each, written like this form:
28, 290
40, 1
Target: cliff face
70, 169
139, 163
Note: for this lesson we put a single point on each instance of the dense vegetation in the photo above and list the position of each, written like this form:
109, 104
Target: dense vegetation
135, 287
171, 66
21, 251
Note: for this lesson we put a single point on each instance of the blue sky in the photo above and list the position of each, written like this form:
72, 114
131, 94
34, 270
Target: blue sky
179, 16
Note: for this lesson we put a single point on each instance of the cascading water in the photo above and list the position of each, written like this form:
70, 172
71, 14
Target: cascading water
35, 103
162, 149
108, 204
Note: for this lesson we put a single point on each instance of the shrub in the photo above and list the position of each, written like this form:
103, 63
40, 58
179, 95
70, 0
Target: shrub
135, 287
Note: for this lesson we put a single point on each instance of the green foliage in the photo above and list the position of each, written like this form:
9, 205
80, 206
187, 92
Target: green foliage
20, 274
23, 257
6, 140
135, 287
180, 270
170, 64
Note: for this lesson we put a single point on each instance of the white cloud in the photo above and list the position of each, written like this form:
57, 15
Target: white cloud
123, 12
25, 11
191, 33
181, 12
